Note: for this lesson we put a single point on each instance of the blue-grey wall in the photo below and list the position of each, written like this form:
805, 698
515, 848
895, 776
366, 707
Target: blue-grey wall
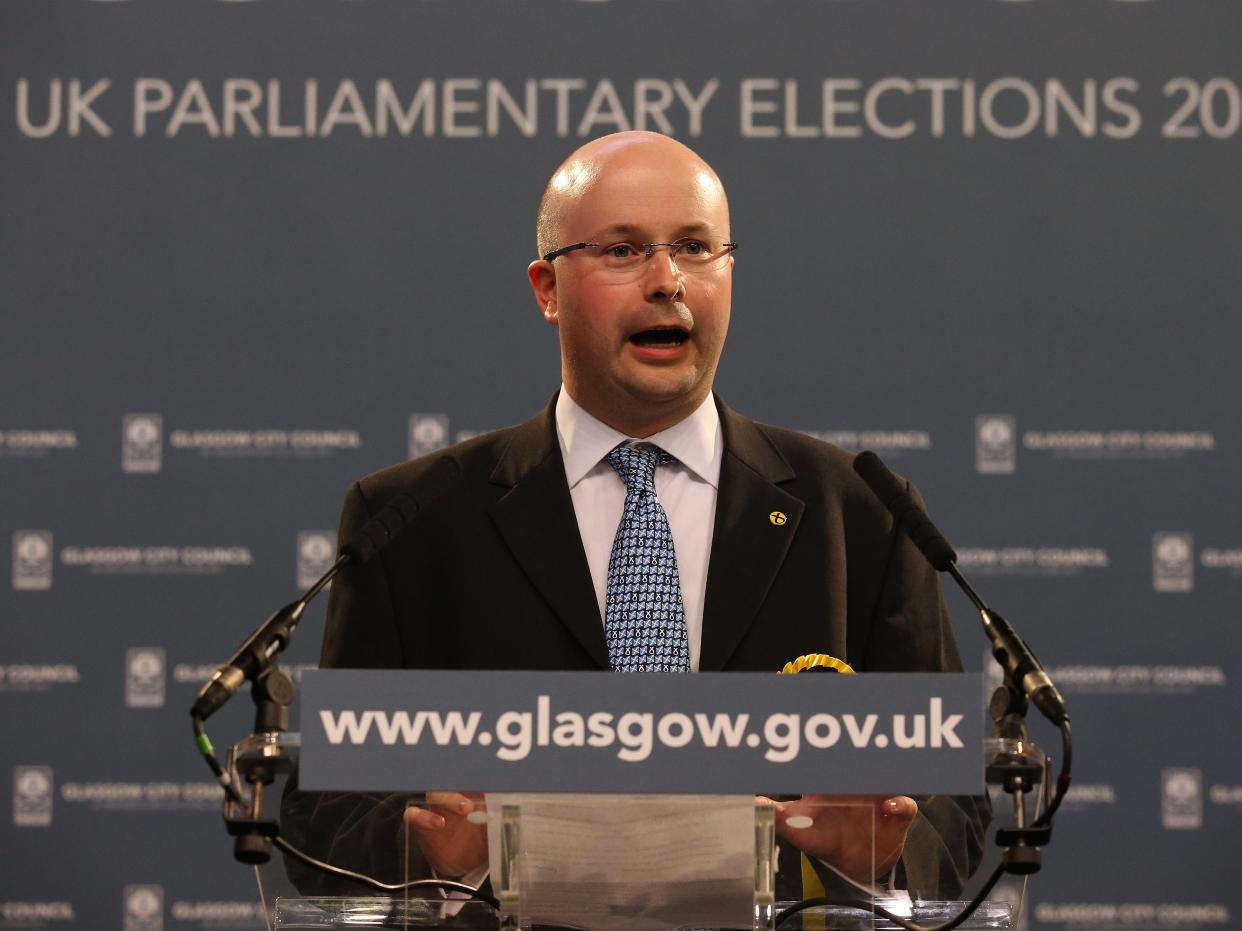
1003, 237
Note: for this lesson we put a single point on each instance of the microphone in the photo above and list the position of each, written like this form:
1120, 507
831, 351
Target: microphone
252, 658
376, 532
1009, 649
895, 495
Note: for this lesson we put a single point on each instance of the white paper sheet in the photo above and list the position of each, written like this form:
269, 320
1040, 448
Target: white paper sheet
633, 862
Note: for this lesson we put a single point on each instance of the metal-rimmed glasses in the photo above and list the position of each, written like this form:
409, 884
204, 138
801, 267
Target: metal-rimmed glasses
692, 256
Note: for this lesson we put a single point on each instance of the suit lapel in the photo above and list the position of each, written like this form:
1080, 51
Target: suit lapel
750, 540
536, 519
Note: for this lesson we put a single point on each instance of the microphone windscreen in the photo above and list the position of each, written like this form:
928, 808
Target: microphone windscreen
394, 516
931, 543
909, 515
883, 483
367, 540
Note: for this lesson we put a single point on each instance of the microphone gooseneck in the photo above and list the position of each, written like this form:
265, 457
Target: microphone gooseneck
1009, 649
249, 662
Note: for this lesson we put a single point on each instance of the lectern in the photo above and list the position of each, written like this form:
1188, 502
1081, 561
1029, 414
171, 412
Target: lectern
627, 803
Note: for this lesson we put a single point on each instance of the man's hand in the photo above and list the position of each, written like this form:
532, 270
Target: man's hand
452, 845
841, 835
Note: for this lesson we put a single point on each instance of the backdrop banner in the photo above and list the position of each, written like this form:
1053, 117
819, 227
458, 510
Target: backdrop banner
251, 251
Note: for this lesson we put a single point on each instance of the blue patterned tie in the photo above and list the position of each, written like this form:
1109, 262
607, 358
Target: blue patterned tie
644, 617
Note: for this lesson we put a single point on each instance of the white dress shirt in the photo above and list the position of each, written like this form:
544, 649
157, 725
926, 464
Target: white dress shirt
686, 489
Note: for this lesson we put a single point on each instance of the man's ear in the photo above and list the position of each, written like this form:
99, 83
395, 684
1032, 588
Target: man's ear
542, 277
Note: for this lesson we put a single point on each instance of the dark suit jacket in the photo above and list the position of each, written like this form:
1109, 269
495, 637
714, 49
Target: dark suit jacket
493, 576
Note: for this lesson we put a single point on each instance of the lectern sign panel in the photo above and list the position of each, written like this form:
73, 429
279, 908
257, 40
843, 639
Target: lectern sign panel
387, 730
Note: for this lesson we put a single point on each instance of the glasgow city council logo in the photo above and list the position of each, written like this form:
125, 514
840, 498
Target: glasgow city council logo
143, 908
144, 677
1173, 562
1181, 791
996, 444
316, 554
428, 432
142, 444
32, 560
32, 796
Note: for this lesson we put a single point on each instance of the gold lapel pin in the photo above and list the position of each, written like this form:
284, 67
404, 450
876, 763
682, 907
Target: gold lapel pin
778, 518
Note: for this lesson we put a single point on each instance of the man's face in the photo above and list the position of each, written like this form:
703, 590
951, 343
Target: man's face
639, 350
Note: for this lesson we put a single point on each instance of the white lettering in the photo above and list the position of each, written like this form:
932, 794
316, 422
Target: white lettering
751, 107
562, 87
730, 727
346, 108
860, 736
604, 108
1132, 116
570, 730
834, 106
453, 728
52, 123
193, 107
792, 129
635, 732
782, 733
871, 110
904, 740
526, 119
241, 98
386, 103
987, 102
275, 128
695, 104
646, 108
452, 105
80, 107
514, 730
600, 726
943, 730
828, 725
675, 730
398, 725
337, 726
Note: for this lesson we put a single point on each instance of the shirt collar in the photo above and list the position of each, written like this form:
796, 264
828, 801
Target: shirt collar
696, 442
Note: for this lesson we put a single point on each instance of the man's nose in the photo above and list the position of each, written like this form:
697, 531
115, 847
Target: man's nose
662, 280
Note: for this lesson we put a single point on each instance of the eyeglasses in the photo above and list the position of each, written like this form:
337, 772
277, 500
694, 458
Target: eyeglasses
693, 256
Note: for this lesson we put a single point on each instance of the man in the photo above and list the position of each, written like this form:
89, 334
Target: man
518, 559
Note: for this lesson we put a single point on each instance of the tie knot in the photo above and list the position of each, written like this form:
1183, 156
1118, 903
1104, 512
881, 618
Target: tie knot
637, 464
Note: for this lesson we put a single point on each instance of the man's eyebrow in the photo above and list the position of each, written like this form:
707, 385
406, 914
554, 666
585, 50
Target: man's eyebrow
632, 231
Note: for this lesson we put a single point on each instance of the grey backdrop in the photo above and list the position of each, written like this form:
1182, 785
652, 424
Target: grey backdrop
1038, 322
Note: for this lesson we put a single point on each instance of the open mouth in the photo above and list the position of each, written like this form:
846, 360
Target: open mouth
660, 337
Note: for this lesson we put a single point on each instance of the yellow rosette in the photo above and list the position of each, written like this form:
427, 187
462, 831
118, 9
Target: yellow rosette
819, 661
812, 887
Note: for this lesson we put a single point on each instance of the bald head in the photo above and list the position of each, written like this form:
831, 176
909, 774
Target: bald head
640, 340
579, 173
